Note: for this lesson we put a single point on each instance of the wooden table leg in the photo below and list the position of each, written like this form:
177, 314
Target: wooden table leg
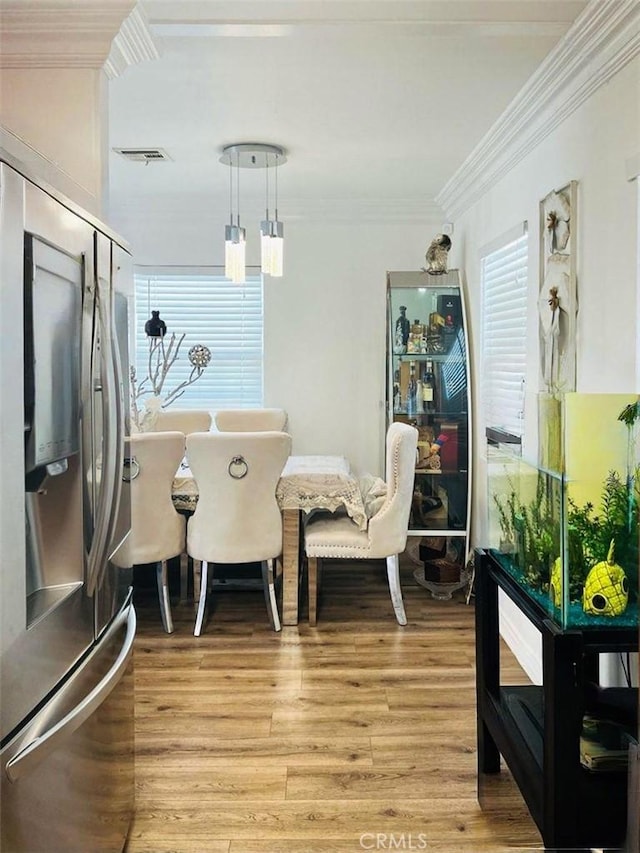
290, 566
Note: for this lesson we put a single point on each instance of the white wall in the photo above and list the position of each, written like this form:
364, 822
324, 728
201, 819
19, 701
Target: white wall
324, 333
593, 147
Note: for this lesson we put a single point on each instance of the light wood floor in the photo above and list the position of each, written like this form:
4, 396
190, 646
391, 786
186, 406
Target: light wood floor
355, 735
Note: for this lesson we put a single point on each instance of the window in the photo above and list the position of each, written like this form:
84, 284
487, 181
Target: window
504, 336
212, 311
454, 373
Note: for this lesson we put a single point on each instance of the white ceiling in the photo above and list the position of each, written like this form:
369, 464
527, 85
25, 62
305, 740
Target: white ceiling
376, 101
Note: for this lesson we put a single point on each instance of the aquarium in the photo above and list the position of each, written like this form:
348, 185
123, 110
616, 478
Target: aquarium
569, 534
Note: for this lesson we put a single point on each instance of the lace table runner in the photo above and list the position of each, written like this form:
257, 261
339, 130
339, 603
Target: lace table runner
320, 482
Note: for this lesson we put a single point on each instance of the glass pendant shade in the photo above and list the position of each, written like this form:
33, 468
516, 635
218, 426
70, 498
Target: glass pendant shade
265, 246
277, 257
234, 253
272, 245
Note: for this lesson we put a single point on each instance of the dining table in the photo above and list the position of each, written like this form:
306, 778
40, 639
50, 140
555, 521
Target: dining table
307, 483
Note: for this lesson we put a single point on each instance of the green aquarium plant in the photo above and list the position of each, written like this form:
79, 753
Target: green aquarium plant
531, 531
616, 521
534, 529
508, 509
630, 416
577, 571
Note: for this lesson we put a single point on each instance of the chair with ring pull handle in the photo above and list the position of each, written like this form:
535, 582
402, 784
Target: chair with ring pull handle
237, 518
336, 536
250, 420
158, 531
182, 420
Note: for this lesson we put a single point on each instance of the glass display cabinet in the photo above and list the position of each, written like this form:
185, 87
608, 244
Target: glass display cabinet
428, 386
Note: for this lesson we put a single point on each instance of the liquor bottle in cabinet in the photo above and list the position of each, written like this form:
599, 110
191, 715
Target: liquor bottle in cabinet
435, 367
428, 387
412, 390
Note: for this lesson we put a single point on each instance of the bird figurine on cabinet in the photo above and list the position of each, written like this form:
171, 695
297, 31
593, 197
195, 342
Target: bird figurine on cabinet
436, 256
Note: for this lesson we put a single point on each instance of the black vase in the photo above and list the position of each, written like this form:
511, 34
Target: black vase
155, 327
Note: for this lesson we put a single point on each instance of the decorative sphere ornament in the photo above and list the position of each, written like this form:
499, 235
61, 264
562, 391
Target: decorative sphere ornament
199, 355
606, 589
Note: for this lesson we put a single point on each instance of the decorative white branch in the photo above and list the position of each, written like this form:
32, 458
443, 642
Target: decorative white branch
161, 358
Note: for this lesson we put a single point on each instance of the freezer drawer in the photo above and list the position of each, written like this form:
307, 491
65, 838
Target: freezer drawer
67, 779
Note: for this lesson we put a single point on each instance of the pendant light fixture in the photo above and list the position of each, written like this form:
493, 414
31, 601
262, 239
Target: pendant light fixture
272, 230
234, 236
254, 155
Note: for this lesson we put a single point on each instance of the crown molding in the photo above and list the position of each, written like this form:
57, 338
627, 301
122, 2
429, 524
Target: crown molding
59, 33
133, 44
604, 38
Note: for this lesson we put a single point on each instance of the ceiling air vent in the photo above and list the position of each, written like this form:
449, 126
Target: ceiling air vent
143, 155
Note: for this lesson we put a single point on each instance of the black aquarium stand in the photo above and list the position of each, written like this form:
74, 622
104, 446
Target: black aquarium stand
536, 729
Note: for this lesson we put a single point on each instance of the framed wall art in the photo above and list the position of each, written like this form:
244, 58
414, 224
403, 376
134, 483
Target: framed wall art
557, 310
557, 301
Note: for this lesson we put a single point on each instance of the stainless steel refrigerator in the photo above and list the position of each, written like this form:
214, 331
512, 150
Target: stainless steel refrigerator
67, 622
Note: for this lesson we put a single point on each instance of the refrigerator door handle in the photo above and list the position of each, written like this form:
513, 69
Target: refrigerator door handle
91, 486
28, 758
117, 420
111, 454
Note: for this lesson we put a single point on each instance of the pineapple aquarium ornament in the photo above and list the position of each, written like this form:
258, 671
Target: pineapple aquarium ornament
606, 589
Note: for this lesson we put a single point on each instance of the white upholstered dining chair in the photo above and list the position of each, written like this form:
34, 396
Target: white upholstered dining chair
158, 532
237, 518
337, 536
251, 420
182, 420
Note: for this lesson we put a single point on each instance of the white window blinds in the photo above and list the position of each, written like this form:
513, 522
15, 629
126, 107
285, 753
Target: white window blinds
454, 372
504, 335
212, 311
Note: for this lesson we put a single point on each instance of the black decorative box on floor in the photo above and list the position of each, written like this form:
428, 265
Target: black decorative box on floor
432, 548
442, 571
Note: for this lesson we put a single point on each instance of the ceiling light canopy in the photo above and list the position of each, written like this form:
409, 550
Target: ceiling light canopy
254, 155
